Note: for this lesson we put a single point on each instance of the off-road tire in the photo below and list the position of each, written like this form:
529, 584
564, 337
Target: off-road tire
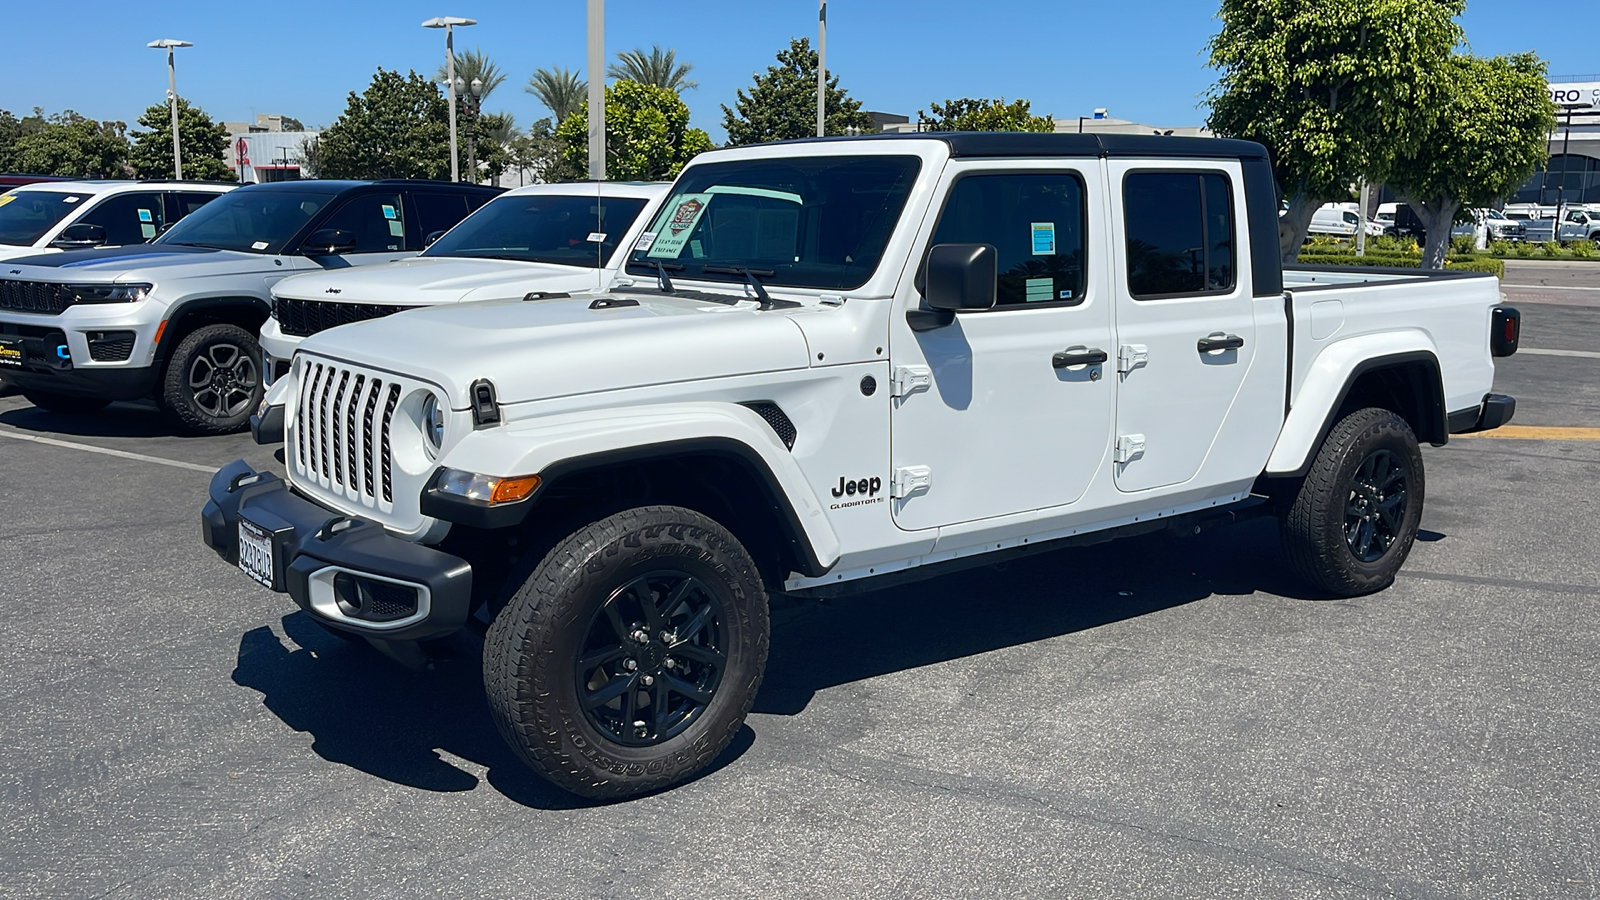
531, 654
1313, 528
66, 404
217, 409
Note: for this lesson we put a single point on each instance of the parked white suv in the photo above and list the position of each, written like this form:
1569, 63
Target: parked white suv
842, 364
544, 239
51, 216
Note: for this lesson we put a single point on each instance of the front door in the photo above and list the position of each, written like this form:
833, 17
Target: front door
1185, 321
989, 421
377, 220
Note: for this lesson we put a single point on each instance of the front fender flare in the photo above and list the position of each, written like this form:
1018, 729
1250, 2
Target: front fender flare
552, 445
1328, 382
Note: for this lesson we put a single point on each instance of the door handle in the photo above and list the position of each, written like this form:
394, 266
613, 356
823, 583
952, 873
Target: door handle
1219, 341
1075, 357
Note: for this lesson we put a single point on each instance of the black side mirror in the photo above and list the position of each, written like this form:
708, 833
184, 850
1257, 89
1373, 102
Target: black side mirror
955, 277
80, 236
328, 242
432, 236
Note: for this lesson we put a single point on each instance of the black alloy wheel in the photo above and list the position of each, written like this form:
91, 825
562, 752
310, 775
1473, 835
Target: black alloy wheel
223, 380
652, 658
213, 381
1374, 516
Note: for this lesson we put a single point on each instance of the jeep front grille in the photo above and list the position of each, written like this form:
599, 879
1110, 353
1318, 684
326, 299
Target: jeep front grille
337, 428
34, 296
303, 318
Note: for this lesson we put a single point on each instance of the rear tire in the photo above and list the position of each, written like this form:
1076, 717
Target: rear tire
66, 404
213, 380
1354, 518
630, 657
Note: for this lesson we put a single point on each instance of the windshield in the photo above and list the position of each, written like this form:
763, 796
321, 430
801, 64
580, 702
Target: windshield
817, 222
543, 228
253, 221
25, 216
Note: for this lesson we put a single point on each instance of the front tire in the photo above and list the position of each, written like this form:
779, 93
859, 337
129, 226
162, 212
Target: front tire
630, 657
66, 404
213, 380
1354, 519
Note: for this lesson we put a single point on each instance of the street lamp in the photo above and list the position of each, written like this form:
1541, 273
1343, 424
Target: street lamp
448, 23
1561, 189
170, 44
473, 102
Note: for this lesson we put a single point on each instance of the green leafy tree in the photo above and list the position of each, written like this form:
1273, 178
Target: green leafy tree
1335, 89
1490, 137
560, 90
397, 128
290, 123
658, 67
648, 137
782, 105
71, 145
203, 144
10, 133
536, 153
967, 114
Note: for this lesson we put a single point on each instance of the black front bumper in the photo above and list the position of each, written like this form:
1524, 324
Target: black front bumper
310, 544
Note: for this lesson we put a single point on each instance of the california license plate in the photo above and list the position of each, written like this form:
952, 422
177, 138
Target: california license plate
255, 552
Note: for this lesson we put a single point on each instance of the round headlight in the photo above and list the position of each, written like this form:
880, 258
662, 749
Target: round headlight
433, 422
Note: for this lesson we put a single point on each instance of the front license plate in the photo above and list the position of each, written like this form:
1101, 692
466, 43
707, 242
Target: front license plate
255, 552
11, 353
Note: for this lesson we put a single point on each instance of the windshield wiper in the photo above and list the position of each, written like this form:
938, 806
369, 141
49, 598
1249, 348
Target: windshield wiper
753, 278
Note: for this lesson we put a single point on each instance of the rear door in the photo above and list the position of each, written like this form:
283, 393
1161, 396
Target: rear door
377, 219
1185, 318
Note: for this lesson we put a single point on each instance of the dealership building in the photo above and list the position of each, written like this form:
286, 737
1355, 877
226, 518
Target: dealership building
1574, 148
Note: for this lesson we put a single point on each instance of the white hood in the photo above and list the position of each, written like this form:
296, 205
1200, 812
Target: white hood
434, 281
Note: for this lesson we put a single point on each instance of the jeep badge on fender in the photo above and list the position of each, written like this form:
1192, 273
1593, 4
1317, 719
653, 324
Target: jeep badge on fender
866, 487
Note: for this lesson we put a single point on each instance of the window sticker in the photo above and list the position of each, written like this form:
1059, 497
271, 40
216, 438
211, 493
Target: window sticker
1044, 239
72, 200
695, 248
147, 229
144, 216
1066, 295
597, 237
644, 241
389, 213
1039, 290
7, 199
259, 245
686, 212
397, 229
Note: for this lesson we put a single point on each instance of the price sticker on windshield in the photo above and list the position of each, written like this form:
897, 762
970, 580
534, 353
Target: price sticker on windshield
673, 236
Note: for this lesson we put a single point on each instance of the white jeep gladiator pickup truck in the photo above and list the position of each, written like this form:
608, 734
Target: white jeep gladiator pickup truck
835, 364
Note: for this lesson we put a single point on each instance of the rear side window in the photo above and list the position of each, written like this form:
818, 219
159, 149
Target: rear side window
439, 212
181, 203
1034, 220
127, 218
374, 219
1180, 233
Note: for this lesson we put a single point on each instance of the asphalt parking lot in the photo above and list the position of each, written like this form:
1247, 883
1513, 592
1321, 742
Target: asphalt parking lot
1150, 718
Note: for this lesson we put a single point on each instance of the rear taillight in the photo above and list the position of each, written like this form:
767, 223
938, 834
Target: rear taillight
1505, 331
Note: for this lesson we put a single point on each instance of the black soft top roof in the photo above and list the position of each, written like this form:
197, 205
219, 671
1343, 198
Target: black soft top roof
1034, 144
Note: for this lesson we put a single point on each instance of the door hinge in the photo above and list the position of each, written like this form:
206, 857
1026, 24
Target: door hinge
1129, 447
910, 379
909, 480
1132, 356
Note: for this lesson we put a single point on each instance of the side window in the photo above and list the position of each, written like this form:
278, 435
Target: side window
375, 220
1035, 220
181, 203
438, 212
127, 218
1180, 233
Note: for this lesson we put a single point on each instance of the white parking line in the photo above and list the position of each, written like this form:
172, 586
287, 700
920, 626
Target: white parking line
8, 432
1580, 354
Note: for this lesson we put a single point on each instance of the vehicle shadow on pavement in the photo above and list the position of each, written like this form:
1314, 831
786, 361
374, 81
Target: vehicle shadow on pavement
368, 712
117, 420
817, 646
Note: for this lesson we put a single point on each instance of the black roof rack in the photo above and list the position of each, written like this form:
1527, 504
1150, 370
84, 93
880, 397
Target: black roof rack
1034, 144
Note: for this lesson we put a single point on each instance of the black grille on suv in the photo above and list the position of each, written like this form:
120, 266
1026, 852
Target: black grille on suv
33, 296
110, 346
303, 318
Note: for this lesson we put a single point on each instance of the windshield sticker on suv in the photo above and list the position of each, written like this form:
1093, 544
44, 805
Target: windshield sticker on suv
686, 212
259, 245
396, 228
147, 230
70, 200
7, 199
144, 216
1044, 239
644, 242
389, 213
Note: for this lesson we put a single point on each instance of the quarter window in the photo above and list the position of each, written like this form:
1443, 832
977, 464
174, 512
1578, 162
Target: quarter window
1180, 233
1035, 221
376, 221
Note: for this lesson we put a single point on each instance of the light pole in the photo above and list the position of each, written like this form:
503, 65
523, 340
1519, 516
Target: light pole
597, 90
474, 104
448, 23
1561, 189
169, 45
822, 67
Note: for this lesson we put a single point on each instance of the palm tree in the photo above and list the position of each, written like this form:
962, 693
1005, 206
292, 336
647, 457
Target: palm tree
561, 90
660, 68
472, 64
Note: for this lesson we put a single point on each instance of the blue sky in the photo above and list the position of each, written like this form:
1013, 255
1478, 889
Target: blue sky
1142, 59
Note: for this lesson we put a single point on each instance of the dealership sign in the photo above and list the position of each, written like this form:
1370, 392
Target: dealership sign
1577, 94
